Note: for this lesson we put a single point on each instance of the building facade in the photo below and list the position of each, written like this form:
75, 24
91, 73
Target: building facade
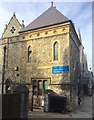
43, 55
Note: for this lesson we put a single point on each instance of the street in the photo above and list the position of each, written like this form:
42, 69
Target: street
83, 111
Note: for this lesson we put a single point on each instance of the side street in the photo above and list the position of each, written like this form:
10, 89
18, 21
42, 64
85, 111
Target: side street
83, 111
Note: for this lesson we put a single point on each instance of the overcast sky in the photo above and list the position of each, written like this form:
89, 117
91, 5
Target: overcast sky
79, 12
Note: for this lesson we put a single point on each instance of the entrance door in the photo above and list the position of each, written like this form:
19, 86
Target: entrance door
38, 89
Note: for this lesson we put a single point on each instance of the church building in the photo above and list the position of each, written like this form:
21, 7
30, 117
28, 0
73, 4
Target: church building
43, 55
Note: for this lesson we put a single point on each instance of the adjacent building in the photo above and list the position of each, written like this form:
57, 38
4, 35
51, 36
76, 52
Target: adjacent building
43, 55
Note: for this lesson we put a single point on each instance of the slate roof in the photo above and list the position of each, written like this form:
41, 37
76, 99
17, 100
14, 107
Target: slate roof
49, 17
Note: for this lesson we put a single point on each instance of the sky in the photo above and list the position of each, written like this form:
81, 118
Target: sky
79, 12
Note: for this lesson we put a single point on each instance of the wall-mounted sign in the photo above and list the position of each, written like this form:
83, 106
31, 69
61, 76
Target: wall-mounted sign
60, 69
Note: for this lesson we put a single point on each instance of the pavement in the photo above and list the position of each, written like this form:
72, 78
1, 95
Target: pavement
84, 111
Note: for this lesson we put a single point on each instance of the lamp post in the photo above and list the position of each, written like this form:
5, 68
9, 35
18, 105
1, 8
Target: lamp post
3, 69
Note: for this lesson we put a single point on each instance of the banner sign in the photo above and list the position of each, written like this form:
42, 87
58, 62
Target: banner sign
60, 69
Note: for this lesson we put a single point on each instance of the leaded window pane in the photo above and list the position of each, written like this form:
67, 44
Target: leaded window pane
45, 85
29, 54
55, 51
39, 87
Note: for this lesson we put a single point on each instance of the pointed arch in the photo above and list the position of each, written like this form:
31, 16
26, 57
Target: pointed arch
55, 50
8, 83
29, 54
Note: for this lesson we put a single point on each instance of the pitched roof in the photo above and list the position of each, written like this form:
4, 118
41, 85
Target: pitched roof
12, 28
49, 17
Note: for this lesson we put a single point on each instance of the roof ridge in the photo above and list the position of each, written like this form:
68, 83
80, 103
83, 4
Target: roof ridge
40, 15
49, 17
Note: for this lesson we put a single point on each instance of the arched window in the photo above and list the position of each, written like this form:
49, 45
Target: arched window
55, 51
8, 83
29, 54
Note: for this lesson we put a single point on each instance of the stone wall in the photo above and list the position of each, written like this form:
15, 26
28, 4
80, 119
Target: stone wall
13, 61
42, 59
19, 70
74, 66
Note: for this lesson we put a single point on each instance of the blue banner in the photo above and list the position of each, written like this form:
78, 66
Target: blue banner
60, 69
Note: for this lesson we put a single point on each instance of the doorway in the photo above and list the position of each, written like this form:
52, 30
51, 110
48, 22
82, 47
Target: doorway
39, 86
